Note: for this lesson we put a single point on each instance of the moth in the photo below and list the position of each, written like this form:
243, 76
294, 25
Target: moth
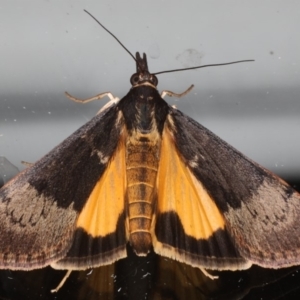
142, 172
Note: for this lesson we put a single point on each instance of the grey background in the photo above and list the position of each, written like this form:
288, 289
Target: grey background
48, 47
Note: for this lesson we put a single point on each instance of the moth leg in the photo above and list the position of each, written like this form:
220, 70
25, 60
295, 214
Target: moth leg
62, 282
208, 275
97, 97
172, 94
26, 163
112, 99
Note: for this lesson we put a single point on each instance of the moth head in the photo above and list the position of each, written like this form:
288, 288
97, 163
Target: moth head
142, 74
144, 77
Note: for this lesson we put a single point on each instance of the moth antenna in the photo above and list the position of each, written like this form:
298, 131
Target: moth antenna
198, 67
112, 35
168, 71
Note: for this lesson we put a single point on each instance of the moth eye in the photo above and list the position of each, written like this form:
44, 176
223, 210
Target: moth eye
134, 79
154, 80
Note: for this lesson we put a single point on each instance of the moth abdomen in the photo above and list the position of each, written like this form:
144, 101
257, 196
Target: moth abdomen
140, 219
141, 173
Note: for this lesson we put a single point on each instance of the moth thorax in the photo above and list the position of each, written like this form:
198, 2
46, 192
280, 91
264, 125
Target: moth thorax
141, 166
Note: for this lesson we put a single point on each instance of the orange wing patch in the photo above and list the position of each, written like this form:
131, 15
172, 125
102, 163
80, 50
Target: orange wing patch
180, 192
105, 204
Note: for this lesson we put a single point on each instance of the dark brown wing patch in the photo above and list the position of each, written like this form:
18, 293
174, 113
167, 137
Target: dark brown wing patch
39, 207
189, 226
100, 236
262, 212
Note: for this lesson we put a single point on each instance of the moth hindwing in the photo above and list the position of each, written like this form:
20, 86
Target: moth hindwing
141, 172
